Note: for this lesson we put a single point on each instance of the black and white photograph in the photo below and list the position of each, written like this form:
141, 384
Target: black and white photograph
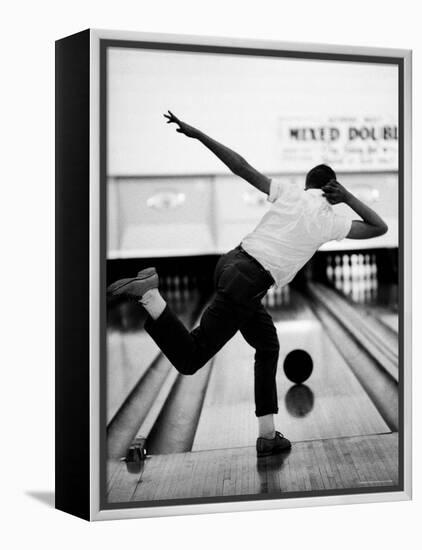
211, 275
253, 289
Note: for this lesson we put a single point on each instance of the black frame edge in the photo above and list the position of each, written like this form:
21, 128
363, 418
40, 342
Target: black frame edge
72, 334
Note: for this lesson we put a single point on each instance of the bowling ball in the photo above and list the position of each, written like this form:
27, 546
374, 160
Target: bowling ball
298, 366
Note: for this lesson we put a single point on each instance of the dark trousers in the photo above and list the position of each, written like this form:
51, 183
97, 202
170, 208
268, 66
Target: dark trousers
241, 282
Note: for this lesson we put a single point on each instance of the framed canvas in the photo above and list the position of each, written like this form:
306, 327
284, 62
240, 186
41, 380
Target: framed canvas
233, 274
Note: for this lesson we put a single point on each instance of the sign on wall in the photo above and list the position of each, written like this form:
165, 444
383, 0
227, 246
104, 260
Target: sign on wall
367, 143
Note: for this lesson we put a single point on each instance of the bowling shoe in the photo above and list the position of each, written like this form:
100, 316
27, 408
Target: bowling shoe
135, 287
267, 447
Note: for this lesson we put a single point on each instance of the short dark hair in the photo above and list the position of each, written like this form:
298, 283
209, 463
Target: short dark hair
319, 175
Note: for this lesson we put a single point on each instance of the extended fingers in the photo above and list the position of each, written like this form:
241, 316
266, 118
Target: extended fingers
174, 117
171, 118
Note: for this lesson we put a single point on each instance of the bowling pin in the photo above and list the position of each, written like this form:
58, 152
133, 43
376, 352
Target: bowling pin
367, 278
169, 288
329, 270
374, 276
185, 288
354, 275
280, 300
346, 275
271, 297
176, 288
361, 280
287, 294
337, 273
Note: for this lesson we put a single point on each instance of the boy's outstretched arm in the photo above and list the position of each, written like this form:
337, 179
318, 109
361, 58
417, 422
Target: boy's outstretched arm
237, 164
371, 224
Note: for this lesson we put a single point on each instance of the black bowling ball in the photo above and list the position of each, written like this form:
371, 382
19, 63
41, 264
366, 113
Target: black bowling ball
298, 366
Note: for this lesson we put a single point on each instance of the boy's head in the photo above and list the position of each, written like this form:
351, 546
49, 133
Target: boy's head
318, 176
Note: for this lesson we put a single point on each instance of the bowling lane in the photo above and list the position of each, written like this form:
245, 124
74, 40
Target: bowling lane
129, 356
130, 350
332, 402
391, 320
384, 306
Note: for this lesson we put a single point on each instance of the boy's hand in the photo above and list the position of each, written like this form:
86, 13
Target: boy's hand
184, 128
334, 192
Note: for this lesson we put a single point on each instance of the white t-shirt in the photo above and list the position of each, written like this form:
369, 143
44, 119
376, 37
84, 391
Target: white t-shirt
295, 226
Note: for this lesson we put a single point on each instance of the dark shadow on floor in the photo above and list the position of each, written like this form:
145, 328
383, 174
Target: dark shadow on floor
45, 497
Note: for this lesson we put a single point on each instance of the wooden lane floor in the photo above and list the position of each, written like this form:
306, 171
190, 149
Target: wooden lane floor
383, 306
130, 350
129, 356
332, 402
316, 465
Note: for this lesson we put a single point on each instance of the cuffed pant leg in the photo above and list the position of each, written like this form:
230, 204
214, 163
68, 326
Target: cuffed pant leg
261, 334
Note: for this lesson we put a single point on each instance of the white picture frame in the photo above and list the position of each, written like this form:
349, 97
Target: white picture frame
80, 475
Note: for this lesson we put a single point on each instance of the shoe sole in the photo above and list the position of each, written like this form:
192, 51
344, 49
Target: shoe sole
149, 273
